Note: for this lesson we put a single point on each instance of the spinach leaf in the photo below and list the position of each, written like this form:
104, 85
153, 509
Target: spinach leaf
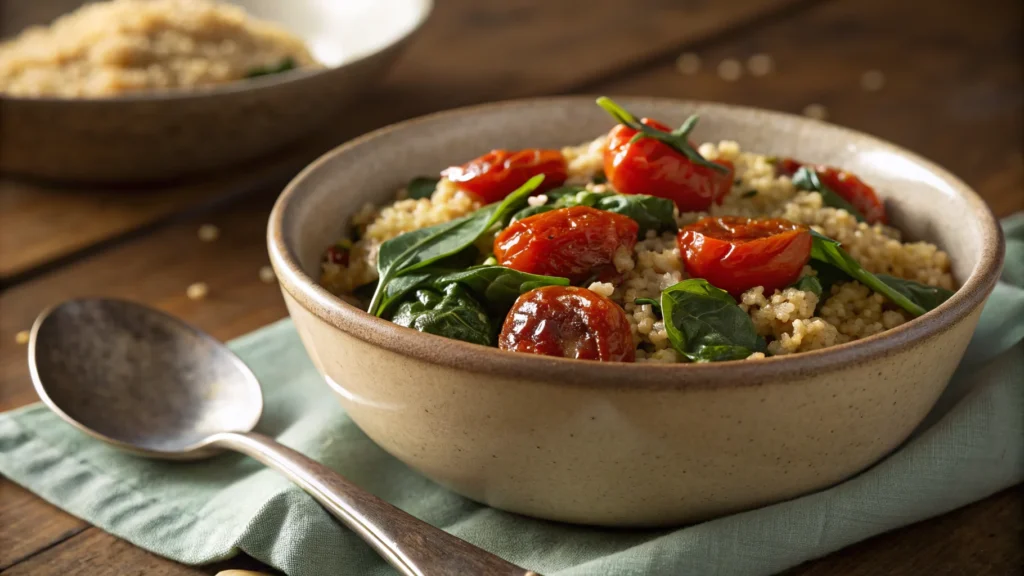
704, 324
928, 297
420, 248
809, 284
650, 212
497, 286
828, 276
807, 179
749, 194
422, 187
452, 314
287, 64
914, 297
654, 304
365, 292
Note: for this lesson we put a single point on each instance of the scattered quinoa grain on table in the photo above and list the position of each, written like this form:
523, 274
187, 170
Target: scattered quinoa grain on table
656, 257
816, 111
730, 70
267, 275
688, 63
197, 291
208, 232
22, 337
760, 65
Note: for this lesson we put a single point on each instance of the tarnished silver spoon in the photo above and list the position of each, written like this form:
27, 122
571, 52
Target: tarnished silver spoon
151, 384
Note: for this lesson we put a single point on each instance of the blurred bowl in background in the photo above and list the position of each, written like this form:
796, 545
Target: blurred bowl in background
156, 136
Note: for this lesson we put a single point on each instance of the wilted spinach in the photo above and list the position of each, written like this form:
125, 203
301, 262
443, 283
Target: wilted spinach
420, 248
421, 187
452, 314
704, 324
287, 64
809, 284
650, 212
497, 287
914, 297
807, 179
928, 297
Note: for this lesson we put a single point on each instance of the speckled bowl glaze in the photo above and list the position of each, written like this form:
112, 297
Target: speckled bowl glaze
627, 444
162, 135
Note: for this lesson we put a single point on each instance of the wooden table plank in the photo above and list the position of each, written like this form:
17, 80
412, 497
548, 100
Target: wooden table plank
469, 52
952, 88
26, 520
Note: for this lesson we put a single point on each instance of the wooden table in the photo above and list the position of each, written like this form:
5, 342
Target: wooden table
952, 91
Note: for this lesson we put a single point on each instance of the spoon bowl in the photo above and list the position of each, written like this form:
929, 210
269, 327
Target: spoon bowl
140, 379
152, 385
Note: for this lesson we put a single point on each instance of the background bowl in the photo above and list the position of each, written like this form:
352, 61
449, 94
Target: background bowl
161, 135
627, 445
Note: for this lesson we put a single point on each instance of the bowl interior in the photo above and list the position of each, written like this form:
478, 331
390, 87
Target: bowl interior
336, 32
923, 201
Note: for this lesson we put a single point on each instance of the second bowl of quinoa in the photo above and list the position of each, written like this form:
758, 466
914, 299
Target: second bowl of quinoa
843, 377
146, 90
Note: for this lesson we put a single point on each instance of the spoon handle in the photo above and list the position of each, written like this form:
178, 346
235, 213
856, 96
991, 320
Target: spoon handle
412, 546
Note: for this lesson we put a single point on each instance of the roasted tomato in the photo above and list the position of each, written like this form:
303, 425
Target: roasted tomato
851, 188
498, 173
568, 322
648, 166
736, 254
575, 243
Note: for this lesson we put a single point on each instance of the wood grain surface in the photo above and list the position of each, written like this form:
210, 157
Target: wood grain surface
952, 92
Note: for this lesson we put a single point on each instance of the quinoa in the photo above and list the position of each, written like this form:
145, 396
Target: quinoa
122, 46
791, 320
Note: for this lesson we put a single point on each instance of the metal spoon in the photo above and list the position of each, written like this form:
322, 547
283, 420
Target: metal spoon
151, 384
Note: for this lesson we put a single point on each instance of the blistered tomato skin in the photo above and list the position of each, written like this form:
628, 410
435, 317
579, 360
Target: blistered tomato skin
736, 254
577, 243
568, 322
498, 173
850, 187
648, 166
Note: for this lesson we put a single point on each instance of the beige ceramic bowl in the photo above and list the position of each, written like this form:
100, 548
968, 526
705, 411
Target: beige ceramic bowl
161, 135
627, 444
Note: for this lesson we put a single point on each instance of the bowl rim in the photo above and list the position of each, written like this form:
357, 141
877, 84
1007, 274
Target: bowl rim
229, 88
464, 356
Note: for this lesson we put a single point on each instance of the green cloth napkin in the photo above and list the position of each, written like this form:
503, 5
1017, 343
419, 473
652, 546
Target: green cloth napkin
969, 447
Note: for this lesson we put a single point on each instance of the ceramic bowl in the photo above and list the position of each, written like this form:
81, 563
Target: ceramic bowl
627, 444
161, 135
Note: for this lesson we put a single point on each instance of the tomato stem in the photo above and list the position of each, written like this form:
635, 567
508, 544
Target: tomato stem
677, 139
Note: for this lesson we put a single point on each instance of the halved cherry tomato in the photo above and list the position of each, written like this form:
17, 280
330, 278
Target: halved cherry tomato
498, 173
851, 188
648, 166
568, 322
575, 243
736, 254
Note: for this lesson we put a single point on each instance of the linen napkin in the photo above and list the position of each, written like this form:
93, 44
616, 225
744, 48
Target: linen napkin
970, 446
